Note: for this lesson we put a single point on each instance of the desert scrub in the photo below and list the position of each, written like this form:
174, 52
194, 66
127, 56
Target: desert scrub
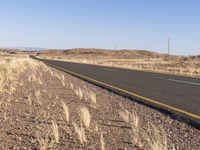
11, 70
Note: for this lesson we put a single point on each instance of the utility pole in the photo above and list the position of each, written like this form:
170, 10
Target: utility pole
168, 48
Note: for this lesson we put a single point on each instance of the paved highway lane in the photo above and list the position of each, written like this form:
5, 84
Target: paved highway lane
181, 94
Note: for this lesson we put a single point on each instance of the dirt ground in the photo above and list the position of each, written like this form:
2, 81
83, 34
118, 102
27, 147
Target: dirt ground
30, 112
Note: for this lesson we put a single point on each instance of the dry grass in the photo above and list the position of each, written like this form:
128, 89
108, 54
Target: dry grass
10, 70
96, 128
134, 122
63, 82
9, 73
124, 114
159, 139
44, 143
38, 97
103, 145
79, 93
29, 100
81, 132
66, 111
85, 116
71, 86
93, 98
55, 131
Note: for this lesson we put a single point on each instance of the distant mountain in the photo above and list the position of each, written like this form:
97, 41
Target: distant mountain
24, 48
30, 48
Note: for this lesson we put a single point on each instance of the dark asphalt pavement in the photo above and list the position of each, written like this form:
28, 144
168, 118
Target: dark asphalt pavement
179, 92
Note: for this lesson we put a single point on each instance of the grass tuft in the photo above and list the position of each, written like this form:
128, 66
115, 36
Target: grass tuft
103, 145
124, 114
55, 131
66, 111
93, 98
159, 139
85, 116
81, 133
79, 93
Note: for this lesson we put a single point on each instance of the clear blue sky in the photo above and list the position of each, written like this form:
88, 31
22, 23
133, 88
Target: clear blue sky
131, 24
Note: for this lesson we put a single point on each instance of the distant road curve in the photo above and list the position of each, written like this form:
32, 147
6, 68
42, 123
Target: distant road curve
179, 96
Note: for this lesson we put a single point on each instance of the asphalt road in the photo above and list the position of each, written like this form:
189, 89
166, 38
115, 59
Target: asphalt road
173, 93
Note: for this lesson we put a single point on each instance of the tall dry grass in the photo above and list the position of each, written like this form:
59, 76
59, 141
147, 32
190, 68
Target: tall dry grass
55, 131
44, 142
81, 132
66, 111
156, 138
103, 145
85, 116
79, 93
10, 70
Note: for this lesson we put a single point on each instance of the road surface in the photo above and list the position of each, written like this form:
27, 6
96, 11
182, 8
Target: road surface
176, 94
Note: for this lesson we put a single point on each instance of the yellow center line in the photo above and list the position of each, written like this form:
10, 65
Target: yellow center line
131, 93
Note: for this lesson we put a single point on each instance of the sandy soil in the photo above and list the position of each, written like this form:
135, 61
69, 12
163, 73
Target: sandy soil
27, 114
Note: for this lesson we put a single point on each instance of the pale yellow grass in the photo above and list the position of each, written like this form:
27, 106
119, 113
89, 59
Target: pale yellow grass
79, 93
85, 116
10, 70
103, 145
81, 132
157, 140
124, 114
55, 131
44, 143
93, 98
66, 111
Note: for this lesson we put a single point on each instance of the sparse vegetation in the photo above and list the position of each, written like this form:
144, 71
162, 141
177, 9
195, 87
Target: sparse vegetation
125, 114
55, 131
102, 142
93, 98
158, 140
81, 132
44, 143
85, 116
79, 93
66, 111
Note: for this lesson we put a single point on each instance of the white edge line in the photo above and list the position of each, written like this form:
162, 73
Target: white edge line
185, 82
